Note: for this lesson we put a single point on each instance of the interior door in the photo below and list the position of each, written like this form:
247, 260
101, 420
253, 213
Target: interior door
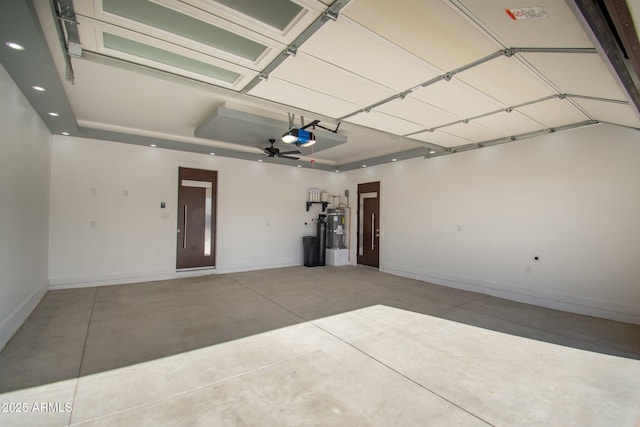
196, 218
369, 224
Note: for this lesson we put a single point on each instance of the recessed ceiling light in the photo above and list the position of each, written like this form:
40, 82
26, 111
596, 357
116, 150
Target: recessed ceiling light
432, 152
38, 88
15, 46
152, 145
394, 160
364, 166
337, 170
65, 133
259, 160
299, 166
52, 114
212, 154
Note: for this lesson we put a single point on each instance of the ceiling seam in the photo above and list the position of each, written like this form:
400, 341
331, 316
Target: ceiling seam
464, 11
512, 138
392, 45
595, 98
342, 70
446, 76
572, 101
616, 124
331, 13
502, 110
510, 52
476, 22
306, 88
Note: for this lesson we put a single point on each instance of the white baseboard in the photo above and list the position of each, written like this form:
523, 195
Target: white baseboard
251, 267
570, 303
12, 323
121, 279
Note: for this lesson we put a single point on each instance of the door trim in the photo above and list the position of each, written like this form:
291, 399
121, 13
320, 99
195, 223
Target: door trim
204, 181
368, 193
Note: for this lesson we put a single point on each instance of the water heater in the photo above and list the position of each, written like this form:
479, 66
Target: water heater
336, 230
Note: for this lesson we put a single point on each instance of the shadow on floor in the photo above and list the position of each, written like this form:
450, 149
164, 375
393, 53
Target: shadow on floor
79, 332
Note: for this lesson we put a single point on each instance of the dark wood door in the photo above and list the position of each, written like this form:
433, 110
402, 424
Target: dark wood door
196, 218
369, 224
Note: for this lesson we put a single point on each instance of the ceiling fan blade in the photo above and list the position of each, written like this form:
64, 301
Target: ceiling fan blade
289, 157
291, 152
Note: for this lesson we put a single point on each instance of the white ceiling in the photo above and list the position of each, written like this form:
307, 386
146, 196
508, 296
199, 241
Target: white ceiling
398, 76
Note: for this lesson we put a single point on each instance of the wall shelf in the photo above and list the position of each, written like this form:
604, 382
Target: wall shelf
324, 205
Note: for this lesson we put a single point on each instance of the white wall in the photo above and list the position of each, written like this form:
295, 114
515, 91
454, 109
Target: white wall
260, 218
475, 220
472, 220
25, 149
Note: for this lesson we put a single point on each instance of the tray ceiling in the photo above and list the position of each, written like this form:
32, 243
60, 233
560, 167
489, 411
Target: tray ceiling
420, 77
252, 130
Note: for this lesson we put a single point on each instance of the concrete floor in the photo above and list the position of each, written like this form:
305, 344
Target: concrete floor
313, 346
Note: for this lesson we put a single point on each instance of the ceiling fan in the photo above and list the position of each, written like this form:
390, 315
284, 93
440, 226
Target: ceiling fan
275, 152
